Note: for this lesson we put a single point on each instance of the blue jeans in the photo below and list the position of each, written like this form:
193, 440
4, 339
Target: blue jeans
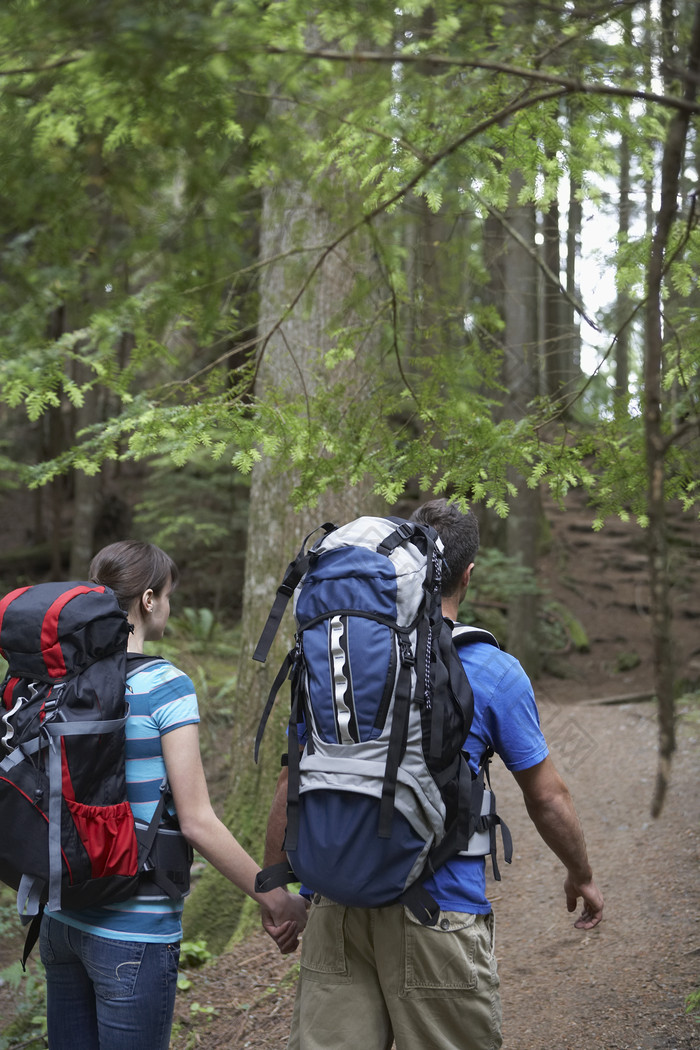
104, 994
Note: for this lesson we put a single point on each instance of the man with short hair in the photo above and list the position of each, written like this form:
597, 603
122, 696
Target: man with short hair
374, 976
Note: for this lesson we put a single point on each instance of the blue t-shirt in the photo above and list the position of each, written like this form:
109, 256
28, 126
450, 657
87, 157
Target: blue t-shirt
161, 699
506, 718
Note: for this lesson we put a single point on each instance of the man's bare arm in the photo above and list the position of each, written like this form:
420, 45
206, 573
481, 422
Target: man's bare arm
277, 822
552, 811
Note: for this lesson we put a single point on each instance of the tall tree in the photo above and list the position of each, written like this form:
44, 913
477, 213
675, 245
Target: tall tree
658, 435
304, 323
386, 107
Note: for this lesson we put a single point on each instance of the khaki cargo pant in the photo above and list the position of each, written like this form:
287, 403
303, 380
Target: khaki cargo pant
370, 976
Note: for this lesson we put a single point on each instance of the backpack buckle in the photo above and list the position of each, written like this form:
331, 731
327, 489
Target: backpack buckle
408, 658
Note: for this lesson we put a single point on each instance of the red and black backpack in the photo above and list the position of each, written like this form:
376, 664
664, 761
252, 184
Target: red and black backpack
69, 839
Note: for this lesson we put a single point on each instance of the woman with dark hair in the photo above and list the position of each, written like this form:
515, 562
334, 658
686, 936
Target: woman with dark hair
111, 971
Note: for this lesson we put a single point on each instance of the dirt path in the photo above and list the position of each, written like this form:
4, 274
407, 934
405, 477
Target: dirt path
619, 987
623, 985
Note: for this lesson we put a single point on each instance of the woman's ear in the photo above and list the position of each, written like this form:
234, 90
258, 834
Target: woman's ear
147, 601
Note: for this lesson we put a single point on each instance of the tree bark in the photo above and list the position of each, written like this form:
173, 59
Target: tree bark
521, 375
656, 439
292, 362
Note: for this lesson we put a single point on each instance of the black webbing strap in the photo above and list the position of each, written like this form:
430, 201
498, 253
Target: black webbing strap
423, 537
459, 681
457, 835
491, 820
146, 838
293, 575
140, 661
32, 936
396, 748
421, 903
275, 875
165, 883
449, 675
282, 674
441, 674
405, 530
507, 840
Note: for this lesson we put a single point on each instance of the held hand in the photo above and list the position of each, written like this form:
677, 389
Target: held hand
592, 902
286, 936
284, 918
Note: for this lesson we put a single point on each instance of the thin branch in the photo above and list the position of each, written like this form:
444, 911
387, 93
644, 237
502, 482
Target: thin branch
566, 405
259, 264
537, 259
23, 70
394, 322
300, 372
586, 24
569, 85
391, 139
379, 209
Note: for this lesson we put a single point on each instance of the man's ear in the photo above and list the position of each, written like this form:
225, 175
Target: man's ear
466, 576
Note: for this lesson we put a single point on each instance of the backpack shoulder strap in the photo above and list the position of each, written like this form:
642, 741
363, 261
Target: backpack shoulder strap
293, 575
140, 661
463, 634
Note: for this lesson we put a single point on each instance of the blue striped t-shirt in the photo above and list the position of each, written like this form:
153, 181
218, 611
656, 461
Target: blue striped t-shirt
161, 699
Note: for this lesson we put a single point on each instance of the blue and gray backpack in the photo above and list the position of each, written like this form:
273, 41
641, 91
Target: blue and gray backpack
380, 791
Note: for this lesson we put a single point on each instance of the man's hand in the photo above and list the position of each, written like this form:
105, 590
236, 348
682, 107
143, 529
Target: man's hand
552, 812
283, 917
592, 902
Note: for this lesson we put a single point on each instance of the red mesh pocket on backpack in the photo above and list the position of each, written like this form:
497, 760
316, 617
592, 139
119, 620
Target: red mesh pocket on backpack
107, 833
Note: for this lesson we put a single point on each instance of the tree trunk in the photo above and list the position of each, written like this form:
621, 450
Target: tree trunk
624, 305
521, 375
560, 354
573, 253
86, 494
292, 361
656, 439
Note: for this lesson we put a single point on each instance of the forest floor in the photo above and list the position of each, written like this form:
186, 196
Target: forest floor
623, 985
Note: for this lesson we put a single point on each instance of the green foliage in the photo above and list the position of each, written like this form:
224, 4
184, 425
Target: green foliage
499, 579
138, 139
199, 625
198, 513
558, 615
194, 954
692, 1005
29, 1022
208, 651
495, 581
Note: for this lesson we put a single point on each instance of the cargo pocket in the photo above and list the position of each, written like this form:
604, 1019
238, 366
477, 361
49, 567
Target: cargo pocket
440, 960
108, 835
323, 944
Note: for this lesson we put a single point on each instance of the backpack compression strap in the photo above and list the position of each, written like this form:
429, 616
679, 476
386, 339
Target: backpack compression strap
418, 661
293, 575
